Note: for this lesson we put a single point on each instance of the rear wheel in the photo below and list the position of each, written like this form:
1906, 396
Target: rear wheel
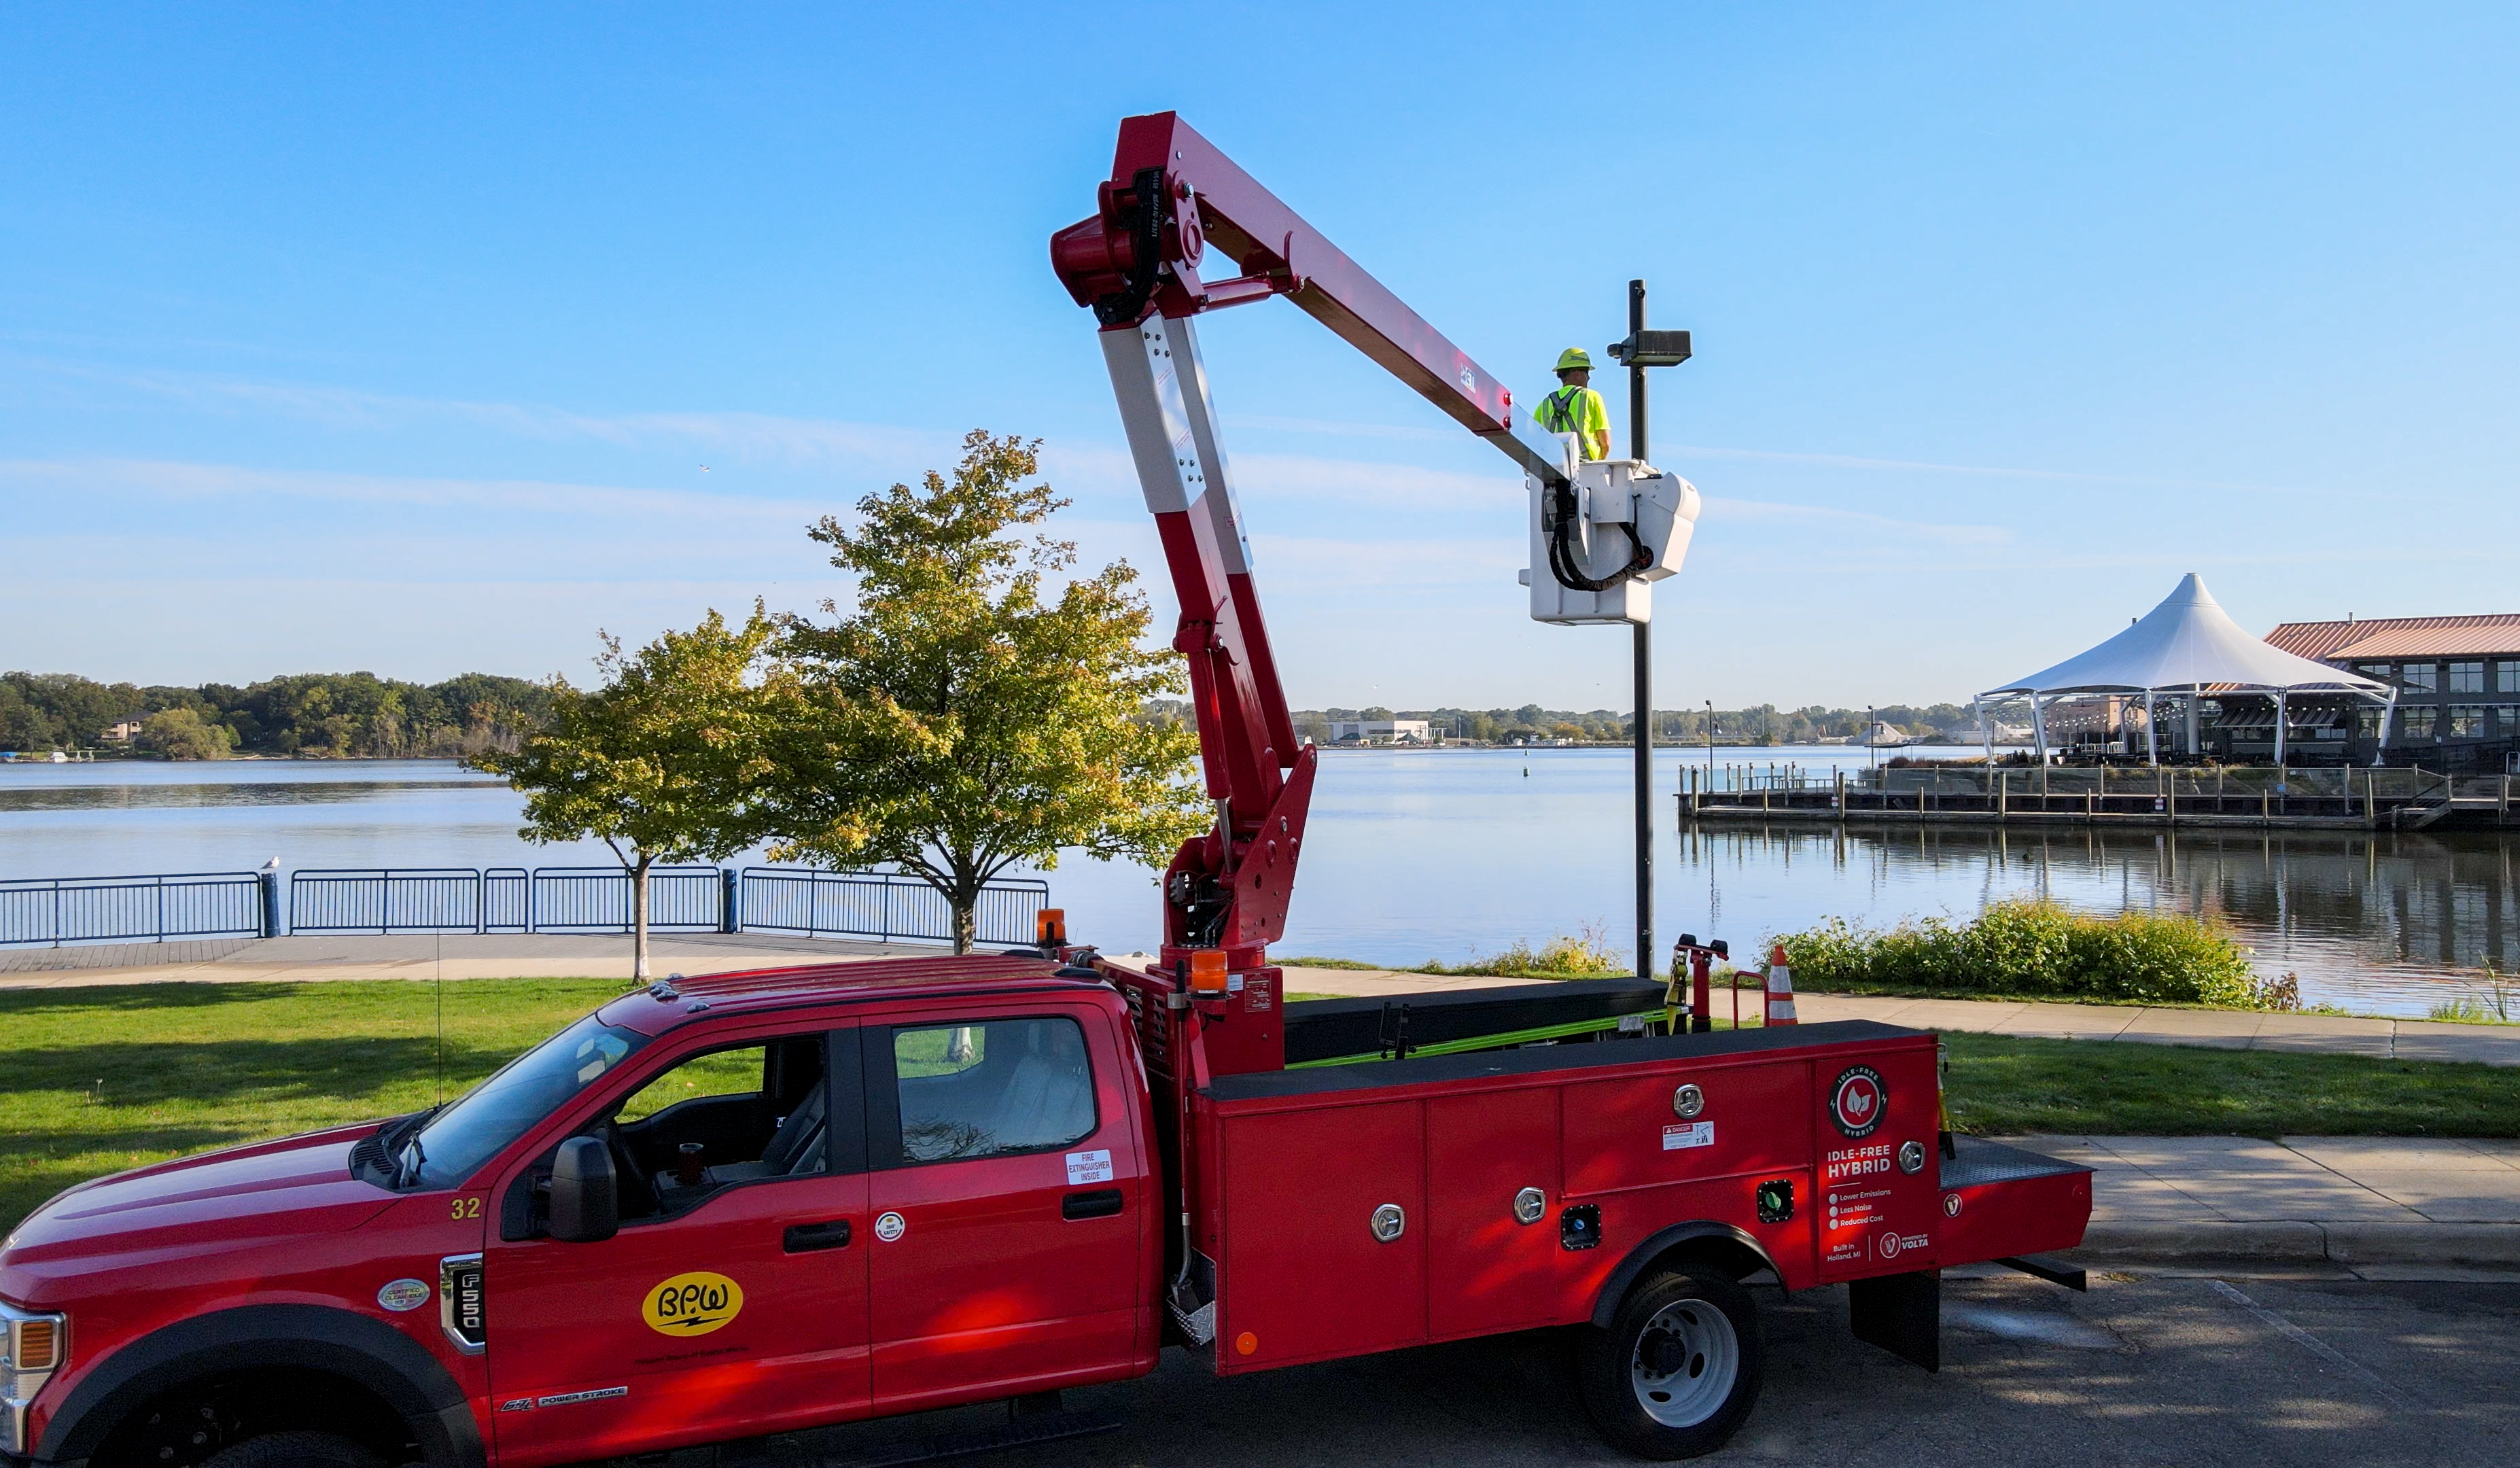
295, 1451
1679, 1368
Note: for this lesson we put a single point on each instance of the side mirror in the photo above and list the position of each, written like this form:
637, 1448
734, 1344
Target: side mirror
585, 1207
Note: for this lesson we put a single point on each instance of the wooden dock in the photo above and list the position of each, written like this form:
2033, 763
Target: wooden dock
2253, 796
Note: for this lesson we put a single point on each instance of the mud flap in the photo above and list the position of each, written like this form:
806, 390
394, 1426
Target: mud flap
1901, 1313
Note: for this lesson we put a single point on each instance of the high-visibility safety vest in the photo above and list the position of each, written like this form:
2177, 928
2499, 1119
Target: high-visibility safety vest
1578, 411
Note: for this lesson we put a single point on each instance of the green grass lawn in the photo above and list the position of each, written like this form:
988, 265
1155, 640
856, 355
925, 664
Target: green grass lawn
103, 1079
1999, 1084
187, 1067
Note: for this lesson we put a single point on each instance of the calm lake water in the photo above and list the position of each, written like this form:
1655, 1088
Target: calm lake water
1440, 854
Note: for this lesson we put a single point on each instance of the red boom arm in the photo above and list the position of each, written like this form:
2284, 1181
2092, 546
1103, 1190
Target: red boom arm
1171, 196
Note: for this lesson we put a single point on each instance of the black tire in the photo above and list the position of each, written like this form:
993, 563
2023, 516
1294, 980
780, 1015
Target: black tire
1680, 1368
295, 1451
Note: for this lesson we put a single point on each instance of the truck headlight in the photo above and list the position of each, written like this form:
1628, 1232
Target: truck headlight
33, 1346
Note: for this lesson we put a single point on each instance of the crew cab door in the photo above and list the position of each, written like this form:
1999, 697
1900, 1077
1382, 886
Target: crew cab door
1007, 1189
728, 1307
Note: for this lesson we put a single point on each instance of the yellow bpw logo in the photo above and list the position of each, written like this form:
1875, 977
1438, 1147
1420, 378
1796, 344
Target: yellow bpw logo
692, 1304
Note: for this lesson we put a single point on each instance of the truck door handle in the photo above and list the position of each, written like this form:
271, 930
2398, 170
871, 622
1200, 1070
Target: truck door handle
802, 1238
1101, 1203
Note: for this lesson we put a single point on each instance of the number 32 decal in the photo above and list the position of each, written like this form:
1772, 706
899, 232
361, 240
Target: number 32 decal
466, 1208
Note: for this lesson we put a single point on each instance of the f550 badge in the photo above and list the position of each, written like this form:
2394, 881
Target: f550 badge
692, 1304
1856, 1099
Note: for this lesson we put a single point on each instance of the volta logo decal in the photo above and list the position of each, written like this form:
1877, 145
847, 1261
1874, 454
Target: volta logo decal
1857, 1100
692, 1304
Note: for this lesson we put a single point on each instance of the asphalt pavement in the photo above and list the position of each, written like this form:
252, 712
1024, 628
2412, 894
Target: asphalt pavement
2148, 1368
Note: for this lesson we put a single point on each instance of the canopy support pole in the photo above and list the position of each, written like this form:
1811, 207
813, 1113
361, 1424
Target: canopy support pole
1985, 728
2196, 691
2151, 744
2038, 727
2280, 728
2388, 716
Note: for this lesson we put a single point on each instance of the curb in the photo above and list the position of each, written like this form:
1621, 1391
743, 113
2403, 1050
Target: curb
2298, 1242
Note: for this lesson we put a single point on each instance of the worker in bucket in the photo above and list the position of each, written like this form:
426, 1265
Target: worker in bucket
1575, 408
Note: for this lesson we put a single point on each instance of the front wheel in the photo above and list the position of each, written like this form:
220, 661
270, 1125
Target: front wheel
1679, 1368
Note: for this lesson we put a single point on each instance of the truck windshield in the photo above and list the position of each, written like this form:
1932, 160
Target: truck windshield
467, 1133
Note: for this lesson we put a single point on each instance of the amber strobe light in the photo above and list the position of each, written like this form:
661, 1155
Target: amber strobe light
1049, 927
1207, 974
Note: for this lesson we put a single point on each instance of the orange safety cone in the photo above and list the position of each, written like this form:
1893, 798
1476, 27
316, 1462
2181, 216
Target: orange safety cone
1781, 988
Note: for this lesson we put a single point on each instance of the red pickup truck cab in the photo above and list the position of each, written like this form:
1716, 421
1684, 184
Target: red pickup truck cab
725, 1208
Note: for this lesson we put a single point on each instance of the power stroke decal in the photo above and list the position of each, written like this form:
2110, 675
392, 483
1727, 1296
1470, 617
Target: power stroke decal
1857, 1100
692, 1304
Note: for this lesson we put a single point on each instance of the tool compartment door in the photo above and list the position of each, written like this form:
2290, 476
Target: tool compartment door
1487, 1271
1303, 1277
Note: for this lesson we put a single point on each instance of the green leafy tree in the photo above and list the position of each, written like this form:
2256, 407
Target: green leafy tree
964, 716
661, 762
181, 734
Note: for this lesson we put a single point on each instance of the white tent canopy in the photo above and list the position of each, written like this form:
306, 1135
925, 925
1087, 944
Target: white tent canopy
2185, 646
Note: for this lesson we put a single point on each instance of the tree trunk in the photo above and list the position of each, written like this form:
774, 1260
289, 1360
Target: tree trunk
639, 917
966, 924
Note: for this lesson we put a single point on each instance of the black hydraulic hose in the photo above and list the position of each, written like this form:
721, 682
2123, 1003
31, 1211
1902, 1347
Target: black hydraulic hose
1563, 556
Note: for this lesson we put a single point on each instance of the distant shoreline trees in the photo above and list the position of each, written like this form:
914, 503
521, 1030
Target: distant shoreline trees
361, 716
308, 715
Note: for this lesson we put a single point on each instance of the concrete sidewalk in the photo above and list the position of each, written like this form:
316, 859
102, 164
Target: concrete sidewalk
2341, 1200
2220, 1029
422, 956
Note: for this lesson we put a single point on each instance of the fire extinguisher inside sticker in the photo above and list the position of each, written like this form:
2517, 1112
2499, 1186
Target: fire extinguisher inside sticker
1089, 1167
1687, 1135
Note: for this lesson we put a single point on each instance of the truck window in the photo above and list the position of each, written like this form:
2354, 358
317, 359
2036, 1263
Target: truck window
991, 1087
467, 1133
746, 1113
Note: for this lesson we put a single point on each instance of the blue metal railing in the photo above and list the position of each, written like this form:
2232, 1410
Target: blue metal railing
57, 911
597, 900
882, 906
381, 900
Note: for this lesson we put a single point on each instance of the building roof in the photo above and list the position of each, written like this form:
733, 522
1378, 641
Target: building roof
2186, 641
2401, 637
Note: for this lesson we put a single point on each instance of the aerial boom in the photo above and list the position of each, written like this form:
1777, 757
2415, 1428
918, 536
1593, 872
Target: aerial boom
1135, 262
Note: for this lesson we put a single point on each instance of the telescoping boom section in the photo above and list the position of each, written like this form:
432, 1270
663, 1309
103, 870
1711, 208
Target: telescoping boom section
1171, 199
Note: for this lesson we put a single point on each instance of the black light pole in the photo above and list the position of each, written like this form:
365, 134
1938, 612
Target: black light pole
1643, 349
1643, 633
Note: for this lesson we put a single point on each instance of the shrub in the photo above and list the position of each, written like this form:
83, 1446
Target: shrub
2032, 947
1586, 956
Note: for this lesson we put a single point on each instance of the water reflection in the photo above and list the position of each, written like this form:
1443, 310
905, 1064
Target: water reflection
2371, 920
168, 797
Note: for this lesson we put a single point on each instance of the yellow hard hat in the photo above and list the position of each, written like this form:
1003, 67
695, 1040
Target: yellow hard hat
1574, 357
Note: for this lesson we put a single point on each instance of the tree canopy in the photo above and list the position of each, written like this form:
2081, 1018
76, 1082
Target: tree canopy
964, 716
663, 762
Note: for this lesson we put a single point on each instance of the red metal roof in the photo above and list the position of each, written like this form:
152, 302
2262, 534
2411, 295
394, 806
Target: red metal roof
2401, 637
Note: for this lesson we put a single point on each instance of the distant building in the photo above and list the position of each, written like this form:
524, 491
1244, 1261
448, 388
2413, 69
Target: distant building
1382, 732
2458, 681
123, 733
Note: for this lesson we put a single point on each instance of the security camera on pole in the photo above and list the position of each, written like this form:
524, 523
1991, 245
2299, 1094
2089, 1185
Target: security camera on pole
1600, 540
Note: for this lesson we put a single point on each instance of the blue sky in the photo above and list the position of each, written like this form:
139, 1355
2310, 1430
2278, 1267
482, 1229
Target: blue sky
438, 339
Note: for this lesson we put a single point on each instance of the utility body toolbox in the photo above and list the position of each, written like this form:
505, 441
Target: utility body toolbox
1334, 1210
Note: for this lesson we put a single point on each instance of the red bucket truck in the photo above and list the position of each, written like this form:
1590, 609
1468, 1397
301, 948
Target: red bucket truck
735, 1207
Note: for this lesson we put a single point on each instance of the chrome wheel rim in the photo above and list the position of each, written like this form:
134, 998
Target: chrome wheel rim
1685, 1363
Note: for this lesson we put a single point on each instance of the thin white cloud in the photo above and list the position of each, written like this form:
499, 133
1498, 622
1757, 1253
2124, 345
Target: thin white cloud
180, 480
751, 436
